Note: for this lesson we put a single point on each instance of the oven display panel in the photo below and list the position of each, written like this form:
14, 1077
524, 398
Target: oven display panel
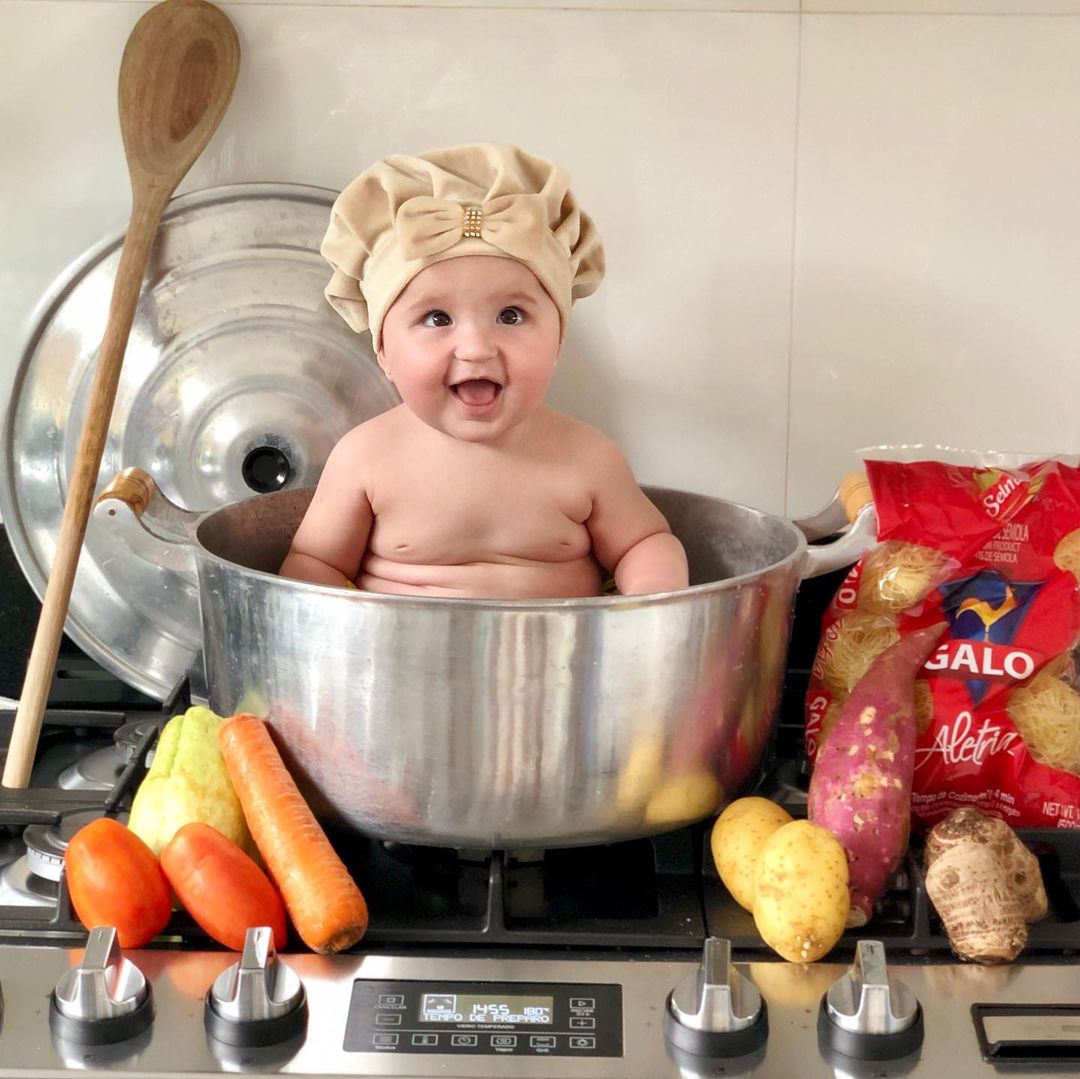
484, 1008
490, 1018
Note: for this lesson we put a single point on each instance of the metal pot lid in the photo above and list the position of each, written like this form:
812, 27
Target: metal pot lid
238, 379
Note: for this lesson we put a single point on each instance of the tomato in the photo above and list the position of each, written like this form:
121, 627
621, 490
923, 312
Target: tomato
114, 879
221, 887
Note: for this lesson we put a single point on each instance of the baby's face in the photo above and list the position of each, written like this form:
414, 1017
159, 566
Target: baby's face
471, 345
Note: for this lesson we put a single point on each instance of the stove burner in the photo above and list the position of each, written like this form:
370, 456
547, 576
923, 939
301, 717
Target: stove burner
129, 737
46, 844
97, 771
101, 770
20, 887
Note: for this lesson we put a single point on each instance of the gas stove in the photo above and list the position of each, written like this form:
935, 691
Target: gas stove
602, 961
512, 963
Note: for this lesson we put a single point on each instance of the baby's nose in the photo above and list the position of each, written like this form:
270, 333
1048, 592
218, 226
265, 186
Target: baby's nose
474, 342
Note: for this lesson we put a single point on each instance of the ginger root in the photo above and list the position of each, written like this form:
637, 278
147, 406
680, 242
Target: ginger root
985, 885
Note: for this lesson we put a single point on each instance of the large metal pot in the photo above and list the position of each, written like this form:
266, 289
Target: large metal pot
480, 723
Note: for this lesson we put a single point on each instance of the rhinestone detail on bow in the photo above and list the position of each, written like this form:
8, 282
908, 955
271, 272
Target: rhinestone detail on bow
472, 222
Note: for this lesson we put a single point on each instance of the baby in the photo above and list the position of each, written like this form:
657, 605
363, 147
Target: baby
464, 264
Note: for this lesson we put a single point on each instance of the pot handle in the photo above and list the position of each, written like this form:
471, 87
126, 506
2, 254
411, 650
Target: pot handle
853, 506
134, 511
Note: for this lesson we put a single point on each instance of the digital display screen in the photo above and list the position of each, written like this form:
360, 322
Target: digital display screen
474, 1008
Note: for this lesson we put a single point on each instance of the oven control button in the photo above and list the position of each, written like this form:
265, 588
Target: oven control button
258, 1001
867, 1014
716, 1011
105, 999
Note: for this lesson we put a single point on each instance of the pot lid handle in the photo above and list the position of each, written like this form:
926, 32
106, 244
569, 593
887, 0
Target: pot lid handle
137, 515
134, 516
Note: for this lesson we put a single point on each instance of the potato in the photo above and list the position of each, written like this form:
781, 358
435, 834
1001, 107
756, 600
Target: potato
802, 900
737, 838
641, 773
687, 797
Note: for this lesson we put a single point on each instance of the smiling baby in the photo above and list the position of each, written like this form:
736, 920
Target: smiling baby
464, 263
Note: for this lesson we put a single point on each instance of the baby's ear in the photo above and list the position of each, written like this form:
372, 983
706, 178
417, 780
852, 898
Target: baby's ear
380, 358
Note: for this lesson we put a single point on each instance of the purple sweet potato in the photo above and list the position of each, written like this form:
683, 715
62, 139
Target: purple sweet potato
860, 789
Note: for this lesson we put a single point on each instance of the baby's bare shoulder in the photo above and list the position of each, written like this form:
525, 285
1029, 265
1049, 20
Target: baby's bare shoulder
576, 436
380, 431
384, 425
358, 456
593, 454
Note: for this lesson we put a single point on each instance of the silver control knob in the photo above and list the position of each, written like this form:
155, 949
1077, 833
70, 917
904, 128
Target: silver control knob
106, 998
258, 1001
715, 1010
867, 1013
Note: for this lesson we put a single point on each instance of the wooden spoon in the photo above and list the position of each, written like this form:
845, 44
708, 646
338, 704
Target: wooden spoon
176, 77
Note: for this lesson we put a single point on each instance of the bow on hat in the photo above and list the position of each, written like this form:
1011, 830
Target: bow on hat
515, 224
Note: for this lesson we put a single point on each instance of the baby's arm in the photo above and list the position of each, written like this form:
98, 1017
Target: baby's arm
629, 534
329, 544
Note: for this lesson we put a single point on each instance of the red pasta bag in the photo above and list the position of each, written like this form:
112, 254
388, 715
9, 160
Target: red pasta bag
990, 544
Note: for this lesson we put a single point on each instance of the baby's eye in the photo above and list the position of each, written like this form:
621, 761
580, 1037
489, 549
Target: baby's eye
437, 318
511, 316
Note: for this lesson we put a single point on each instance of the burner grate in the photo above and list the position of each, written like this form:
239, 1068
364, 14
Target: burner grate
641, 894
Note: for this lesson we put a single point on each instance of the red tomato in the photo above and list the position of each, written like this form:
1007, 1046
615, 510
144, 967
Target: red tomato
221, 887
114, 879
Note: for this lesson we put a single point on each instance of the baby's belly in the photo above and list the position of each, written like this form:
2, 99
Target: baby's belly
482, 580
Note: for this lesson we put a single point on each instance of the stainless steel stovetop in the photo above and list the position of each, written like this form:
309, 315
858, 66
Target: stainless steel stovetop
522, 966
347, 997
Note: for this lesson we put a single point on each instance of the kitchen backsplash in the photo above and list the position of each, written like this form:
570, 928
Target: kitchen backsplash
826, 228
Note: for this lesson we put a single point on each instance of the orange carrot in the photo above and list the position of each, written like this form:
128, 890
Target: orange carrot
323, 901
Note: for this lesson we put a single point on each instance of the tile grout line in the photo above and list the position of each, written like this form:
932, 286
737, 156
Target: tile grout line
794, 239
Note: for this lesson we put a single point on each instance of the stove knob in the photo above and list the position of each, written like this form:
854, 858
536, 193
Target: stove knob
258, 1001
869, 1015
104, 999
716, 1011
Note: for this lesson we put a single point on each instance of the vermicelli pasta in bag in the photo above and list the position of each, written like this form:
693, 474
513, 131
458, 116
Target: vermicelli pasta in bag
896, 576
851, 645
991, 545
1046, 712
1067, 553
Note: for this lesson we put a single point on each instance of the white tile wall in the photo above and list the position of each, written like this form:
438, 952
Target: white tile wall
825, 229
937, 266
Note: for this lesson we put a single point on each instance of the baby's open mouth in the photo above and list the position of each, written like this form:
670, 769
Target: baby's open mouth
476, 391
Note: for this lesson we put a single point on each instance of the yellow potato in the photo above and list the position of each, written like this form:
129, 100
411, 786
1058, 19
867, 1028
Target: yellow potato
688, 797
641, 773
738, 836
801, 903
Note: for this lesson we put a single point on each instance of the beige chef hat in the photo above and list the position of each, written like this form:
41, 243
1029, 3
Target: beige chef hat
406, 213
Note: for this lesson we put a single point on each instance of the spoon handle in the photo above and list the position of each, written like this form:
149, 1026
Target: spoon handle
176, 78
149, 203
